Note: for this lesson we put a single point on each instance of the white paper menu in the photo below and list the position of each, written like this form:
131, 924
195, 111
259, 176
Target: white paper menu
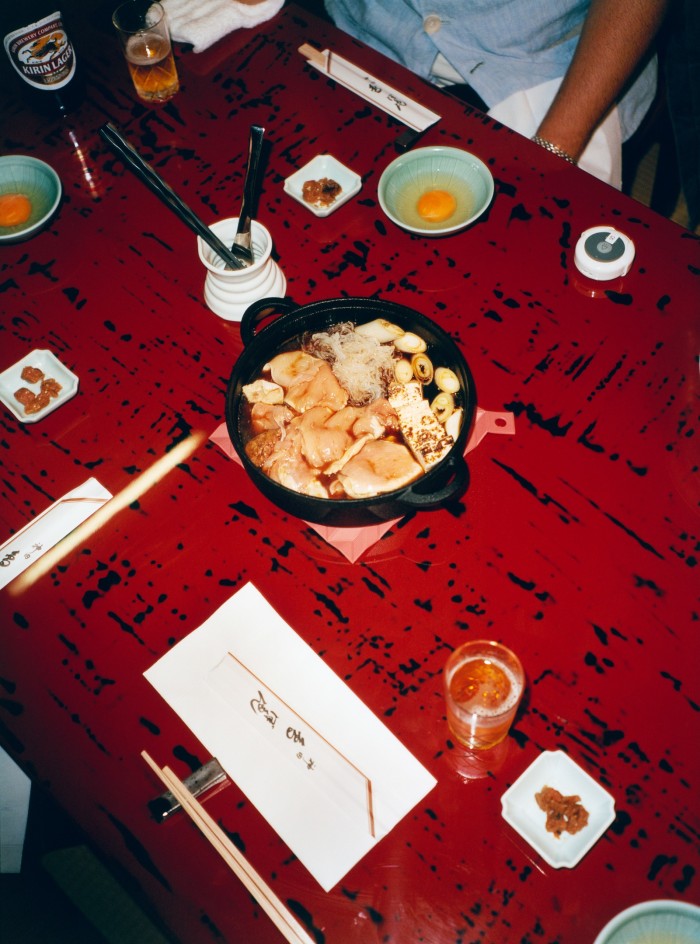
324, 771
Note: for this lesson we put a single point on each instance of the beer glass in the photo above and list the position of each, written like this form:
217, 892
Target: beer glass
145, 38
484, 682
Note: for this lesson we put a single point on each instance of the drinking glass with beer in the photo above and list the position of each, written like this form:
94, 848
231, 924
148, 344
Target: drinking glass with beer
484, 682
145, 38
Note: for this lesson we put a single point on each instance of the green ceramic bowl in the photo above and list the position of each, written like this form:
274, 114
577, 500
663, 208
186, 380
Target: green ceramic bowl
31, 177
444, 169
665, 921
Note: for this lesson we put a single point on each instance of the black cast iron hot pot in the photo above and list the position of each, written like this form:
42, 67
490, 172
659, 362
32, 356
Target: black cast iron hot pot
446, 480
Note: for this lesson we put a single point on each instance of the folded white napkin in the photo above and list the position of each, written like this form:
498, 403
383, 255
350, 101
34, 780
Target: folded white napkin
203, 22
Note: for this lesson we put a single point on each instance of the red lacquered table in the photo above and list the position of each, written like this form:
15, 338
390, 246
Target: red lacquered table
576, 543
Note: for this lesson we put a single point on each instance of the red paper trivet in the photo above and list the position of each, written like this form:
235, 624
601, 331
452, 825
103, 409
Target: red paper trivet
353, 542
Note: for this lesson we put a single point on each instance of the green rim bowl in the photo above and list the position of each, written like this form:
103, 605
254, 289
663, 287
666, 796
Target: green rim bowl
453, 170
667, 920
40, 183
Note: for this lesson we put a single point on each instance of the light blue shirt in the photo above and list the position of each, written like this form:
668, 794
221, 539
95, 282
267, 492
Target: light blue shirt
496, 46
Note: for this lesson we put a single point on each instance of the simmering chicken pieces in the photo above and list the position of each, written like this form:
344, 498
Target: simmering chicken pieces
320, 389
380, 466
269, 416
320, 444
261, 447
293, 367
317, 443
288, 466
376, 419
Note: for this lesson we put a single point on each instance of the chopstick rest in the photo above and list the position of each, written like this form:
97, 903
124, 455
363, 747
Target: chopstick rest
204, 779
273, 907
407, 139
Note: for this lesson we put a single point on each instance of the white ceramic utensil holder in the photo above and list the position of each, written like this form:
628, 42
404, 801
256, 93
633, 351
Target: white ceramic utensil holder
228, 292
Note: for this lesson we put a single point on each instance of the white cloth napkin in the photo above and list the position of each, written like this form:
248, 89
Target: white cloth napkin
203, 22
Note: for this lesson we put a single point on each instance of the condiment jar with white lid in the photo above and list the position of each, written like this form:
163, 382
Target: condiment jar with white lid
603, 253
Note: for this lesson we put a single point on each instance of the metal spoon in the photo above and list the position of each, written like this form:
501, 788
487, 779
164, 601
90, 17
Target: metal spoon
242, 240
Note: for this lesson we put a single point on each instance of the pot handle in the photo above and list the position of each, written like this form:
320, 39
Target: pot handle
457, 484
259, 311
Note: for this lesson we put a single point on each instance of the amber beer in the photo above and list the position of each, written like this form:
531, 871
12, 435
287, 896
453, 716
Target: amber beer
152, 66
484, 683
148, 51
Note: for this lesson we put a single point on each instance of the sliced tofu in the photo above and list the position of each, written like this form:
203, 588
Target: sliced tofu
422, 432
403, 395
263, 391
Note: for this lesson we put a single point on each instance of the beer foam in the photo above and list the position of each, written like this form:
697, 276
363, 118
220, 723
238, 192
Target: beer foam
482, 711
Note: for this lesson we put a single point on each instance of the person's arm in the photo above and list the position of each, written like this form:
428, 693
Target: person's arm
615, 36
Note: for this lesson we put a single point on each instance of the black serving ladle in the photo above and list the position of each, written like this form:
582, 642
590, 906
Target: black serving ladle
242, 241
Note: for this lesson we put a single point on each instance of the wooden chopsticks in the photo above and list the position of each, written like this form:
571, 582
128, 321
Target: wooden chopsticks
313, 54
278, 913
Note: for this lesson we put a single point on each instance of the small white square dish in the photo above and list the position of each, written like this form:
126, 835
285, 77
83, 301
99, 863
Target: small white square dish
320, 167
520, 808
51, 369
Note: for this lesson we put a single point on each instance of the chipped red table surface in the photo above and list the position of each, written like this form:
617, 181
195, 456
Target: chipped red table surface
576, 543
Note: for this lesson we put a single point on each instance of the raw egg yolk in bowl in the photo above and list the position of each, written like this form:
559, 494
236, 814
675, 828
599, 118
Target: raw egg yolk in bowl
15, 208
436, 206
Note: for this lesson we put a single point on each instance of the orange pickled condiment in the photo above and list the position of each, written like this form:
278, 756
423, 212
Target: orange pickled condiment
435, 206
15, 208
